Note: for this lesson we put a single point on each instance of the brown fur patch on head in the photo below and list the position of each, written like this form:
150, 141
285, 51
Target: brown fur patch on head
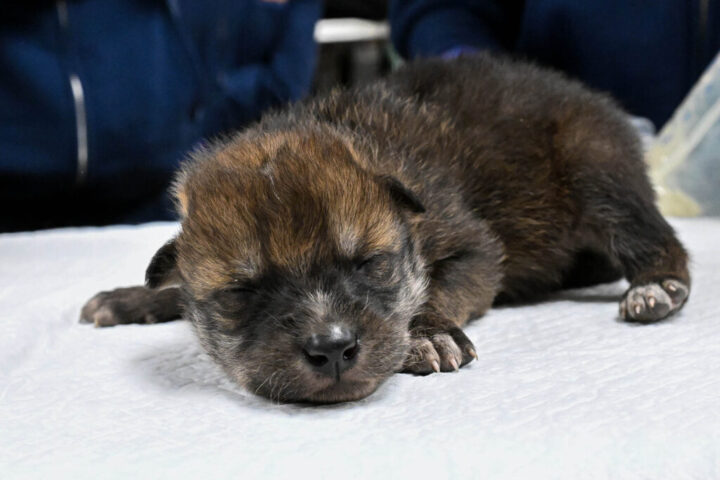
278, 199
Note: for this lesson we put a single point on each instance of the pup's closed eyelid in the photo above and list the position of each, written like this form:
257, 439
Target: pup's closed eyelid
233, 295
239, 285
238, 289
369, 259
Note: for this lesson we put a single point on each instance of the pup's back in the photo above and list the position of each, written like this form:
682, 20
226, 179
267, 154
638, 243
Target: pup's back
520, 147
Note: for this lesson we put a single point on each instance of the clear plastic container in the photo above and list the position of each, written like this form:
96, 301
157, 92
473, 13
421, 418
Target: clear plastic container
684, 159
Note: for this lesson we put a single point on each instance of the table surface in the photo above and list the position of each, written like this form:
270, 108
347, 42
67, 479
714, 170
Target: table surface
561, 389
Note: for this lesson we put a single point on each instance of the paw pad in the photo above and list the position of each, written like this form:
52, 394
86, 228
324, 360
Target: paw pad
654, 301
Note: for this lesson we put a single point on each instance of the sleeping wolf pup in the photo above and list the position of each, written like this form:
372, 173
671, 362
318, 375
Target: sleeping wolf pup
352, 236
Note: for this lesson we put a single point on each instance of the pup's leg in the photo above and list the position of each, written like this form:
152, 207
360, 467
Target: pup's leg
619, 205
653, 259
463, 285
132, 305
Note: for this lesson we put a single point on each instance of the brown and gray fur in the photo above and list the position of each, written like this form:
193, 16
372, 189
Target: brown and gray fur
398, 212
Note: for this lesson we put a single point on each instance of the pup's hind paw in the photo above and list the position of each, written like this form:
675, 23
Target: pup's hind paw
442, 350
654, 301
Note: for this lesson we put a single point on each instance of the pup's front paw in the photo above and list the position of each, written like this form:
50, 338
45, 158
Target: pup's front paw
130, 305
653, 301
438, 349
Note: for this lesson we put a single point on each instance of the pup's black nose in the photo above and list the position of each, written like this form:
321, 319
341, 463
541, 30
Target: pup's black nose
332, 354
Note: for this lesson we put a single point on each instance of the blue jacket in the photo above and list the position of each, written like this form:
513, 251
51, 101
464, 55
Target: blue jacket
101, 99
646, 53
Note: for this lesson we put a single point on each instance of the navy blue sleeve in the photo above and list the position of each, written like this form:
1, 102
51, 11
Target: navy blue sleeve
286, 76
422, 28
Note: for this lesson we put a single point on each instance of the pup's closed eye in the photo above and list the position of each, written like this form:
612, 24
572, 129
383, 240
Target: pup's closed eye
232, 298
378, 267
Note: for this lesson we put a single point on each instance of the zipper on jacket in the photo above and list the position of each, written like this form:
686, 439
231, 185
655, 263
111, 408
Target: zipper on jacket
702, 36
703, 15
78, 94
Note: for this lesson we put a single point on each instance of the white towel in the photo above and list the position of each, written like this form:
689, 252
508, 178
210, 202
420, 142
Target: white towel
561, 389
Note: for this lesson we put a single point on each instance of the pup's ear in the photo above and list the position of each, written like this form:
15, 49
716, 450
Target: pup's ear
401, 194
162, 270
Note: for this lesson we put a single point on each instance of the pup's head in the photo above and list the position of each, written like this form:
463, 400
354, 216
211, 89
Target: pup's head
299, 266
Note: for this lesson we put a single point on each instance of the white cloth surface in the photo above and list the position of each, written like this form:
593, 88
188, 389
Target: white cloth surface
561, 389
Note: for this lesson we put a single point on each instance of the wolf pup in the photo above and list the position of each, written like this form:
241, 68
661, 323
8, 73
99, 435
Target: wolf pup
351, 236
